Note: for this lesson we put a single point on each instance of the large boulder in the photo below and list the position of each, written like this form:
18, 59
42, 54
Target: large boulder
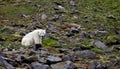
86, 54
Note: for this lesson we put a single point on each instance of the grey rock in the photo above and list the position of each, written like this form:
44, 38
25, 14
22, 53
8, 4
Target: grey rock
72, 2
75, 17
74, 30
63, 50
117, 47
43, 16
5, 64
22, 50
32, 51
53, 59
22, 33
86, 54
76, 49
44, 52
69, 65
24, 15
11, 52
9, 28
93, 65
118, 32
63, 65
85, 35
35, 19
102, 32
97, 65
36, 65
59, 7
18, 58
69, 57
101, 45
52, 28
57, 18
111, 17
42, 60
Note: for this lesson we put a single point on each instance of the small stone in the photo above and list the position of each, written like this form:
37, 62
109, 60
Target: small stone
118, 32
75, 17
53, 59
44, 52
73, 25
23, 33
18, 59
111, 17
35, 19
99, 66
74, 30
60, 7
24, 15
76, 49
101, 45
43, 16
42, 60
22, 50
69, 65
72, 3
69, 57
85, 35
102, 32
62, 50
56, 18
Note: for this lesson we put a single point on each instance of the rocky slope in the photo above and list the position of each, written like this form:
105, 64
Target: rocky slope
81, 34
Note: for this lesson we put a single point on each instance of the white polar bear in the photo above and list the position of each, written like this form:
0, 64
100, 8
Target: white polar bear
34, 37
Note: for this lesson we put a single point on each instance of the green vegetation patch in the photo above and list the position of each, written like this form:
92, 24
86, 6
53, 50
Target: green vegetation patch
11, 10
49, 42
97, 50
113, 39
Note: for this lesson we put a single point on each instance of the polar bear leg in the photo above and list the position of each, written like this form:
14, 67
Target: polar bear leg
37, 46
38, 42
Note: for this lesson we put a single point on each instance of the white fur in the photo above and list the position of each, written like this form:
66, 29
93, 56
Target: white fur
34, 37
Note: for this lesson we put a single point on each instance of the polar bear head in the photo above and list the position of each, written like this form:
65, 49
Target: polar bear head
41, 32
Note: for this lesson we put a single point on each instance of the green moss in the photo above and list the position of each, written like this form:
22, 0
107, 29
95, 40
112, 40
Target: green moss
85, 44
112, 39
97, 50
49, 42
